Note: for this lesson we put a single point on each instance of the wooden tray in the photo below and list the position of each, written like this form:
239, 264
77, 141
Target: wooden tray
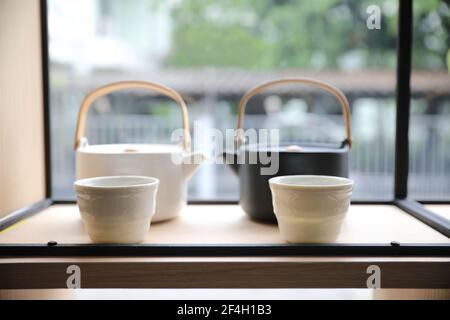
225, 224
217, 246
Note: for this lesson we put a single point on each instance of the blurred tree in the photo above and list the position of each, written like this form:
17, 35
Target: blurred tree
431, 33
267, 34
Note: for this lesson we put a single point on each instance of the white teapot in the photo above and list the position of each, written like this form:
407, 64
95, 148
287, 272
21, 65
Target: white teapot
173, 165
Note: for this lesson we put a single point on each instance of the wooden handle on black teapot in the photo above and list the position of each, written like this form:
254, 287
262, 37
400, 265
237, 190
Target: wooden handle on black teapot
315, 83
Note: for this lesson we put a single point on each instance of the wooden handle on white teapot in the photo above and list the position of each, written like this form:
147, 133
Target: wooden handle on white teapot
315, 83
102, 91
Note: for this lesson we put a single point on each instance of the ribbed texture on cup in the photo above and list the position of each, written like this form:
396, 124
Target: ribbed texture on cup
308, 215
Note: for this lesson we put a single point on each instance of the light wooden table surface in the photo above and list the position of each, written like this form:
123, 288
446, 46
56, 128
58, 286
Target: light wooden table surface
225, 224
441, 209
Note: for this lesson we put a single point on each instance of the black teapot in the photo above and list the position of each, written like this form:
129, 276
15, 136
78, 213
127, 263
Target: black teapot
293, 159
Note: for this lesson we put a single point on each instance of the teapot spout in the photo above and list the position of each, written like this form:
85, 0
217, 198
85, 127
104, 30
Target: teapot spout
231, 159
191, 163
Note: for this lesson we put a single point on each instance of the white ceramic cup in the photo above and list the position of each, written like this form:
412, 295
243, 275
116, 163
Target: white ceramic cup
310, 209
117, 209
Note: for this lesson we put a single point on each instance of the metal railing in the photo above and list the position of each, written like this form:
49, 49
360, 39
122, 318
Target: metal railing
371, 158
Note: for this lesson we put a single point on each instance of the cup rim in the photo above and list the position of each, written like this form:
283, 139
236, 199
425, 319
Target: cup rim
340, 183
85, 184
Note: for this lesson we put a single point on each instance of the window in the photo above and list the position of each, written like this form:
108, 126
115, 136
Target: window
429, 175
212, 52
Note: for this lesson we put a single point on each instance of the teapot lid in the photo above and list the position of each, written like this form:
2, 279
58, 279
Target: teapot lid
297, 148
131, 149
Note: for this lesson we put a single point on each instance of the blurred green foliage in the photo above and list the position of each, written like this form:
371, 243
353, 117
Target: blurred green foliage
321, 34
